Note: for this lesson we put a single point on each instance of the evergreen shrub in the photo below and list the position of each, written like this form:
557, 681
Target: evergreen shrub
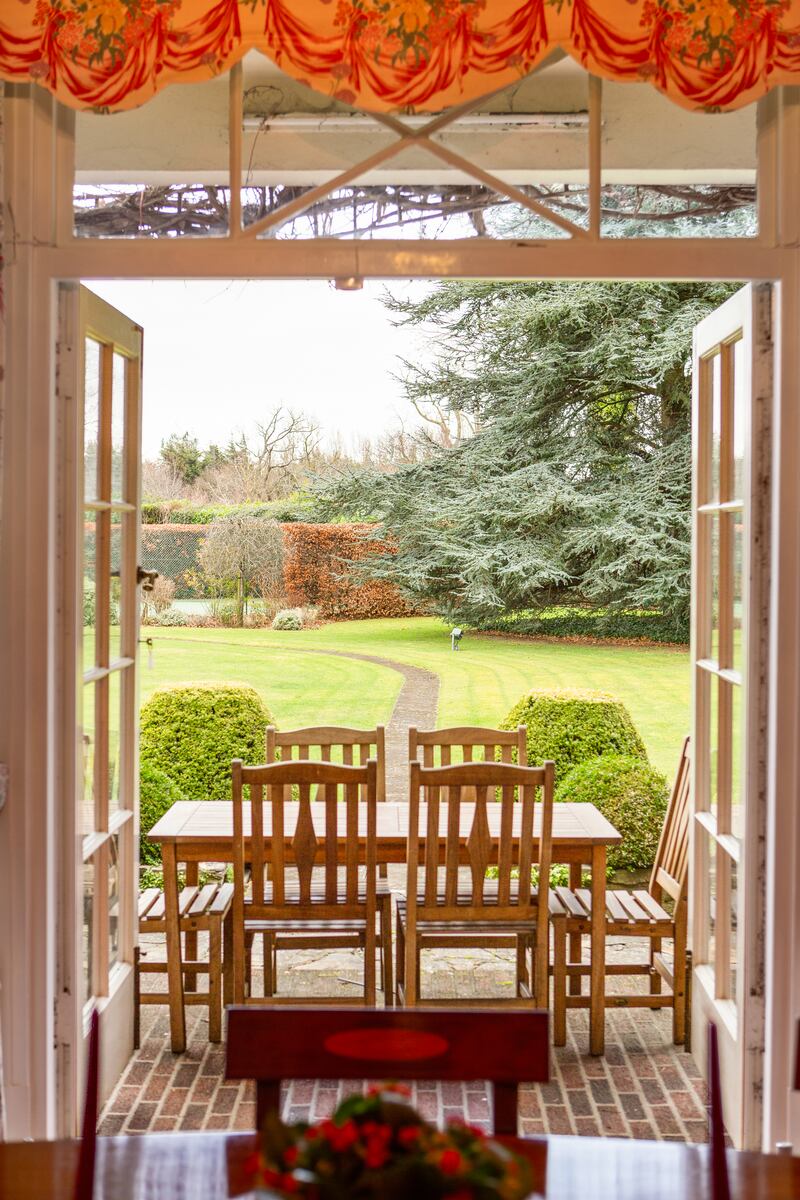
157, 794
631, 794
186, 512
288, 618
169, 618
570, 726
193, 731
566, 622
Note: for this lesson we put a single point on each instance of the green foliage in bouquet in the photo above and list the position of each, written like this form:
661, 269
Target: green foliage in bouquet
378, 1146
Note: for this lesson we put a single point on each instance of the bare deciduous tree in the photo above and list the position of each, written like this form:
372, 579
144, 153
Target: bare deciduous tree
267, 466
247, 552
161, 482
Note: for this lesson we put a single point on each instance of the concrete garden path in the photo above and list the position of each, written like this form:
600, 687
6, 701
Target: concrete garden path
417, 705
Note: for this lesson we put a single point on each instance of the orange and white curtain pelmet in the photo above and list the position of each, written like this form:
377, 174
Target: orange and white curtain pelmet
400, 54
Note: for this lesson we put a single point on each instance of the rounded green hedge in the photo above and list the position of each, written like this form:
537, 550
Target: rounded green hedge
571, 726
157, 794
632, 795
192, 732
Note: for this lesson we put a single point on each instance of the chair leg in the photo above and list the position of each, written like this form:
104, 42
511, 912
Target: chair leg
559, 981
679, 982
400, 951
227, 960
541, 966
215, 980
370, 951
655, 978
522, 962
575, 944
412, 968
270, 955
387, 971
240, 968
269, 948
249, 939
190, 937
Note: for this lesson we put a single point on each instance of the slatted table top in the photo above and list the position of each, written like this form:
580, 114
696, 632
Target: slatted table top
211, 821
207, 1166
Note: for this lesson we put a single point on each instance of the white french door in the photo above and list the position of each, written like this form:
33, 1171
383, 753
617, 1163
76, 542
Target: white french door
732, 397
100, 365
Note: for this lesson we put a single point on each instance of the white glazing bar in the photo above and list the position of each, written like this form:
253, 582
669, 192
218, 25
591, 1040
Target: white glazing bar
235, 151
595, 154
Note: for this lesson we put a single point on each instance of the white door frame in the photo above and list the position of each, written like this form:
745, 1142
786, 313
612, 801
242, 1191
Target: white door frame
40, 251
82, 316
733, 1000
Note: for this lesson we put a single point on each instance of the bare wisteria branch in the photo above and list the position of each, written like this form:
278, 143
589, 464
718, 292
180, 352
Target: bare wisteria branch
198, 210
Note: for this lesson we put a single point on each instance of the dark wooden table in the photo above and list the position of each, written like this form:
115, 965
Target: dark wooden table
195, 831
209, 1166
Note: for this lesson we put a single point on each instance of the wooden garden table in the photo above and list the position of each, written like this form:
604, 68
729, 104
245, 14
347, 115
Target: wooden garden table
209, 1166
195, 831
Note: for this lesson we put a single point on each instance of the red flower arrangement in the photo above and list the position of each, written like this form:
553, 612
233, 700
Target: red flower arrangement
378, 1146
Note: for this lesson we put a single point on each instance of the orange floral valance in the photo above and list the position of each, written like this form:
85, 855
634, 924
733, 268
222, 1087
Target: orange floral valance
400, 54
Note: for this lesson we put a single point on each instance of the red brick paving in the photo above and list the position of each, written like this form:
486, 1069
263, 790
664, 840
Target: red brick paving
643, 1087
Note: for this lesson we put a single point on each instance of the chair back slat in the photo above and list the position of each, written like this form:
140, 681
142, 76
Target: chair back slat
276, 1044
479, 846
452, 845
286, 791
432, 841
257, 825
467, 743
474, 795
331, 849
505, 850
304, 842
670, 869
351, 861
354, 747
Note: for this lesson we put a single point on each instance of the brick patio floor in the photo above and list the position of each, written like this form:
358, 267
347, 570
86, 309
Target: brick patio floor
643, 1087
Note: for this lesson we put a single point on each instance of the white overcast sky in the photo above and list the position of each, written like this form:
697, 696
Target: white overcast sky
218, 354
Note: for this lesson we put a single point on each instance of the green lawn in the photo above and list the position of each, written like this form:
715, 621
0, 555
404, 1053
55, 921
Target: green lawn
478, 684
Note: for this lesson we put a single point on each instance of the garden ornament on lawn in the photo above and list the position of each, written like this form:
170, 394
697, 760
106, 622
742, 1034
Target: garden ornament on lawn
455, 638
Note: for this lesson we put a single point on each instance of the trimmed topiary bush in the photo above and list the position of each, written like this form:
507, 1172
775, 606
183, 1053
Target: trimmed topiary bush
157, 794
631, 794
192, 732
571, 726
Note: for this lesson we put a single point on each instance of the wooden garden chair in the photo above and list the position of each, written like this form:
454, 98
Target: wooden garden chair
206, 910
468, 743
304, 901
635, 914
271, 1045
440, 905
353, 747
